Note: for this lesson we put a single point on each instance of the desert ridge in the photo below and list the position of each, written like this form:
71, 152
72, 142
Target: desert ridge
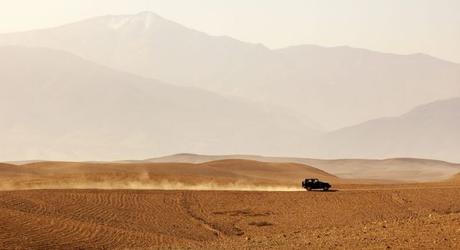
214, 175
196, 172
393, 169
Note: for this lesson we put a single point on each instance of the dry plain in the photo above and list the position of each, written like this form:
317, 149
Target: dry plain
112, 206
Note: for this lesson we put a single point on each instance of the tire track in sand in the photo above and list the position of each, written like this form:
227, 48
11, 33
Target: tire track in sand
185, 201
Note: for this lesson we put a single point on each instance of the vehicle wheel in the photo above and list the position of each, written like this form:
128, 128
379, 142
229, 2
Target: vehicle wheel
325, 189
308, 188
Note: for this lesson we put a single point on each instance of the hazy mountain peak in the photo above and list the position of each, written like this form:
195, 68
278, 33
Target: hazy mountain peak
143, 19
147, 14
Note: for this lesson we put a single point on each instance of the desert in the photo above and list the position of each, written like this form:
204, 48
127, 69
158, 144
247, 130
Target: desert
224, 204
302, 124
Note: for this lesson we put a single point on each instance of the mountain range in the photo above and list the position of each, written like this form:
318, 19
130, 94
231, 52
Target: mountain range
428, 131
328, 87
55, 105
87, 90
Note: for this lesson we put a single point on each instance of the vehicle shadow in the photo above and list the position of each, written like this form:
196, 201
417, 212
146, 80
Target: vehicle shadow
324, 191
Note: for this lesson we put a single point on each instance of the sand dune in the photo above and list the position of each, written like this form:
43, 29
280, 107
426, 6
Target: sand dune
400, 169
227, 172
7, 168
215, 175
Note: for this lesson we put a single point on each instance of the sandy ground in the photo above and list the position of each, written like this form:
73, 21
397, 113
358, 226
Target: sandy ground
418, 218
353, 216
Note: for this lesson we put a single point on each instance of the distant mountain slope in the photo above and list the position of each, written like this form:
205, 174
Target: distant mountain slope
402, 169
335, 87
429, 131
54, 105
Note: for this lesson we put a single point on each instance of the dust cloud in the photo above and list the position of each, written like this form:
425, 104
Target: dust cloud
153, 185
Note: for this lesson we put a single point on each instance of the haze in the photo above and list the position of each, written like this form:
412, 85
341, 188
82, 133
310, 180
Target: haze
216, 124
403, 27
98, 85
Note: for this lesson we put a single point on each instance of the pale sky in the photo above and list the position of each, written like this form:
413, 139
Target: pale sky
395, 26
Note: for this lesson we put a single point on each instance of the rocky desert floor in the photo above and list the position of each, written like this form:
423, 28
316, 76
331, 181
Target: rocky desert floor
352, 216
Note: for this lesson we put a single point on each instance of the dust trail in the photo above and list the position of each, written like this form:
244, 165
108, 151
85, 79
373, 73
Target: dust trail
154, 185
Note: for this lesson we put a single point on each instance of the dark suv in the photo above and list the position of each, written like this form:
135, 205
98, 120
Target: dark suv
310, 184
